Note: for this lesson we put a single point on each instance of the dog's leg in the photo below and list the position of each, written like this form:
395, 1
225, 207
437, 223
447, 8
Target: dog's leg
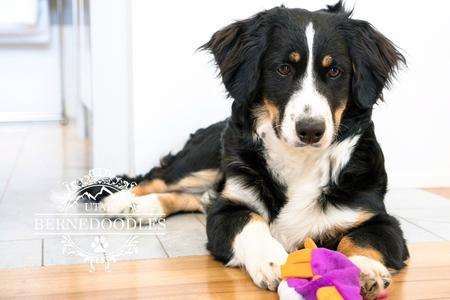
377, 247
158, 204
149, 187
195, 182
195, 169
158, 196
240, 237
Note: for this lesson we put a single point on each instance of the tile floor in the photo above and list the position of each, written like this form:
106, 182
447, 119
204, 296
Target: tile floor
35, 159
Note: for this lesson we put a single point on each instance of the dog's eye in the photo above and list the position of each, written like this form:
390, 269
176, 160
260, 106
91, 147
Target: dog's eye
334, 72
284, 70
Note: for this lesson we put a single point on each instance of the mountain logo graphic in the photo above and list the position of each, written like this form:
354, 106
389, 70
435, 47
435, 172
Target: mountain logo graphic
93, 193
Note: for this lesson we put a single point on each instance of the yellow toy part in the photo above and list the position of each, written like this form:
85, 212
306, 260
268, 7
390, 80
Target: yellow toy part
298, 263
328, 293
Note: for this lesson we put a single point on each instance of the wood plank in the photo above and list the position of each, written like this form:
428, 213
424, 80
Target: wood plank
200, 277
443, 191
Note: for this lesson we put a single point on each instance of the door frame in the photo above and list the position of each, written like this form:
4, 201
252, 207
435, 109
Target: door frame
112, 134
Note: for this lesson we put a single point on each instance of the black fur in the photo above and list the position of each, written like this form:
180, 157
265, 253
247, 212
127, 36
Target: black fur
225, 220
247, 53
243, 52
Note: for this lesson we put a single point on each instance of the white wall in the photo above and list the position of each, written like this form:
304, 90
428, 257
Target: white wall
29, 79
111, 98
175, 90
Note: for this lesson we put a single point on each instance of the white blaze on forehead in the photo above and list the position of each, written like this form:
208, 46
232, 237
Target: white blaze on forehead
307, 102
309, 33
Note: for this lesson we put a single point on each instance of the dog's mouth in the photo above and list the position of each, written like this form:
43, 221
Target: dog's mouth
300, 144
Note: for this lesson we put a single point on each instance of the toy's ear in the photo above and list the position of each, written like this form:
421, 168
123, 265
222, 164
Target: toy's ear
238, 50
309, 244
375, 61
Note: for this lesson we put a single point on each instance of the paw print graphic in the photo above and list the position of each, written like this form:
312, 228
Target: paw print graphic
99, 244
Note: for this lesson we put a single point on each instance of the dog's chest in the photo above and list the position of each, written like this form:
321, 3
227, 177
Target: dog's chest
306, 174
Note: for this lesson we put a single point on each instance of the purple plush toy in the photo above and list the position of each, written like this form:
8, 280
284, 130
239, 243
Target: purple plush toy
319, 274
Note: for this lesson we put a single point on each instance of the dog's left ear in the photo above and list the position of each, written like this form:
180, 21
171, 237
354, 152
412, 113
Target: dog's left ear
375, 61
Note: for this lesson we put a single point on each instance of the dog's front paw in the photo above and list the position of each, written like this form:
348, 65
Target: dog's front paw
265, 266
267, 275
374, 278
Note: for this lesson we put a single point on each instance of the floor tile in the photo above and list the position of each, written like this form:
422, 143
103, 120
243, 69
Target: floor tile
438, 226
399, 199
8, 160
184, 235
16, 223
423, 209
3, 184
21, 253
53, 251
432, 219
414, 233
18, 211
201, 218
12, 138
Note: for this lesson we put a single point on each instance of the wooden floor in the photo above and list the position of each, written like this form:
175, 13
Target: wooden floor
200, 277
443, 191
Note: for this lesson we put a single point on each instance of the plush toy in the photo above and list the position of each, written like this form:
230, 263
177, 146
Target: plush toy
319, 274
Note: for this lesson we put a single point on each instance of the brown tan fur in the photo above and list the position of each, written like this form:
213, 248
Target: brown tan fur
349, 248
256, 218
177, 202
339, 111
327, 61
295, 57
272, 111
149, 187
363, 217
267, 111
196, 182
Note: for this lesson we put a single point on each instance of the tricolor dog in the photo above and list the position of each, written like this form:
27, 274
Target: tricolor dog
298, 156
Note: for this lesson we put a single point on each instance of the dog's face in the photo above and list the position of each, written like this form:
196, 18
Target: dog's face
303, 70
306, 74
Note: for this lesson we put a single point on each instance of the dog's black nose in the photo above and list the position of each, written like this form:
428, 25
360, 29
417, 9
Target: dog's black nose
309, 130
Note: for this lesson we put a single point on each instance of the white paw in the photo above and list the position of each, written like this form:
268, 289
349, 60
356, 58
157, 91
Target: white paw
265, 272
374, 278
260, 253
146, 208
118, 203
287, 293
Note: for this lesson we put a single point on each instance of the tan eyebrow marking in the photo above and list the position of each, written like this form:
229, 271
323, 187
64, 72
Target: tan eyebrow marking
294, 56
327, 61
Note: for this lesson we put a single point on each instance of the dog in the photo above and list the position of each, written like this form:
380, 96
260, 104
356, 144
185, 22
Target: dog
297, 158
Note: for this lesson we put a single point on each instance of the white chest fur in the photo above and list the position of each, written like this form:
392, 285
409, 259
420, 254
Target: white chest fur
305, 172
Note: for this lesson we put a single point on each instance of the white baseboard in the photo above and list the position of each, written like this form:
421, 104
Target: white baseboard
7, 117
397, 180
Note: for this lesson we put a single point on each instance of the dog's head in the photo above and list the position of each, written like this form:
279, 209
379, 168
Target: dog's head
303, 70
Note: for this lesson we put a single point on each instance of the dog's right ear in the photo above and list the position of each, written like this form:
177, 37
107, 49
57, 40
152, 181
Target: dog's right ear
238, 50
